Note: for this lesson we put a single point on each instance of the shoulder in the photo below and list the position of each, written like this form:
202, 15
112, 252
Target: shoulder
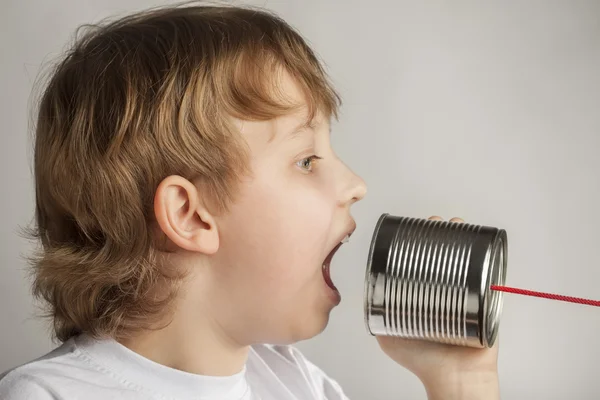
22, 384
41, 378
292, 368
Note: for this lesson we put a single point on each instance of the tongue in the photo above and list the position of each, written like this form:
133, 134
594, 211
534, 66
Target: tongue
326, 265
327, 276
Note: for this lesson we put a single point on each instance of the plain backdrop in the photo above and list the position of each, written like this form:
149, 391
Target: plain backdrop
489, 112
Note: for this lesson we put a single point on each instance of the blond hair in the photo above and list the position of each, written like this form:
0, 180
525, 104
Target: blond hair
134, 101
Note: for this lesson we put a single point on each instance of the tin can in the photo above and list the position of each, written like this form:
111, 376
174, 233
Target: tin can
431, 280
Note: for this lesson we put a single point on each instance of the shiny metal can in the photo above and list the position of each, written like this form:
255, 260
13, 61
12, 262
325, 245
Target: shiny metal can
431, 280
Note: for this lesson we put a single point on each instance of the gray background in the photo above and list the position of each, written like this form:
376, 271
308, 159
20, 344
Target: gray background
490, 112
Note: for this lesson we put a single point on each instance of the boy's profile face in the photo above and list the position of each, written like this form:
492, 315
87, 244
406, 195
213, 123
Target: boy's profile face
266, 281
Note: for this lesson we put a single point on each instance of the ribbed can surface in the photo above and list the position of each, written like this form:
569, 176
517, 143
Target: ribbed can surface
431, 280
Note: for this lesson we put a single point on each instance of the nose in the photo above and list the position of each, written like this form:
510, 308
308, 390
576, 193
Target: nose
355, 188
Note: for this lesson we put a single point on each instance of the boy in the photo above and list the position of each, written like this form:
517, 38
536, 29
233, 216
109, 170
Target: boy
189, 203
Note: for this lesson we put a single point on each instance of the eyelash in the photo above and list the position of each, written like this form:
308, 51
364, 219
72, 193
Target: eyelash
311, 160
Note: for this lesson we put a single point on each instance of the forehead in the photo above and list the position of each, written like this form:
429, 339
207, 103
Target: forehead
294, 123
262, 135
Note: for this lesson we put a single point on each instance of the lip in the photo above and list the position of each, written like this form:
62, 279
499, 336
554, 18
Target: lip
334, 295
348, 232
350, 228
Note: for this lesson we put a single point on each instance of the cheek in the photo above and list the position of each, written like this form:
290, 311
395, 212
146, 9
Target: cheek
297, 226
303, 232
283, 231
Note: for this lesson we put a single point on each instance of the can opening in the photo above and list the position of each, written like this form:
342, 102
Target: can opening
495, 298
371, 278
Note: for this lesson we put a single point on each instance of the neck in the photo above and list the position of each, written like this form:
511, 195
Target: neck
191, 345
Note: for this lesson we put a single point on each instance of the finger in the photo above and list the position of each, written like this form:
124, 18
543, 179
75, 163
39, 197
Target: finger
436, 218
391, 343
456, 219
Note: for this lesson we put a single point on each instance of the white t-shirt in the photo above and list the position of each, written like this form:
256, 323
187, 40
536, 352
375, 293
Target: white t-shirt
84, 368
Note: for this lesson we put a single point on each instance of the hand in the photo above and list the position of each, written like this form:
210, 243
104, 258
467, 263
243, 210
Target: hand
447, 371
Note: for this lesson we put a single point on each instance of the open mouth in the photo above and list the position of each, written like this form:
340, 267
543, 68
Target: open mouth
327, 264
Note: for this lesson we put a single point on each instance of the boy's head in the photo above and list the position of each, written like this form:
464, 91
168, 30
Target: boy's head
184, 175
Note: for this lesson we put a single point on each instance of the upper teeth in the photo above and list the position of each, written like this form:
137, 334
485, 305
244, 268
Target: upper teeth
346, 239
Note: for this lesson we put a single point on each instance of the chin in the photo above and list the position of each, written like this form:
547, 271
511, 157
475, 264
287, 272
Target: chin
301, 332
311, 328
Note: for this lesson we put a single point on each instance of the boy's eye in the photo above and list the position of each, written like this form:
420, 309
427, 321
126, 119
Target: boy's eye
308, 163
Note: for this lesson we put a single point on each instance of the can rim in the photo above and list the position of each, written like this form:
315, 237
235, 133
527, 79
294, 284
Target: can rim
494, 300
368, 286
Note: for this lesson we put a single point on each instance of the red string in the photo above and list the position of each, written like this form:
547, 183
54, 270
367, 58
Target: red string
569, 299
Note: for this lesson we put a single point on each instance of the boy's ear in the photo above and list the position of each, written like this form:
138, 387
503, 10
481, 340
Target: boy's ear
182, 215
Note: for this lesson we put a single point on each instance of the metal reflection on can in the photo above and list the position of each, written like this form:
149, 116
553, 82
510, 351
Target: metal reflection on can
431, 280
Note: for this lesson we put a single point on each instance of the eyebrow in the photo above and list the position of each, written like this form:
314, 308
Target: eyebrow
295, 132
303, 127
